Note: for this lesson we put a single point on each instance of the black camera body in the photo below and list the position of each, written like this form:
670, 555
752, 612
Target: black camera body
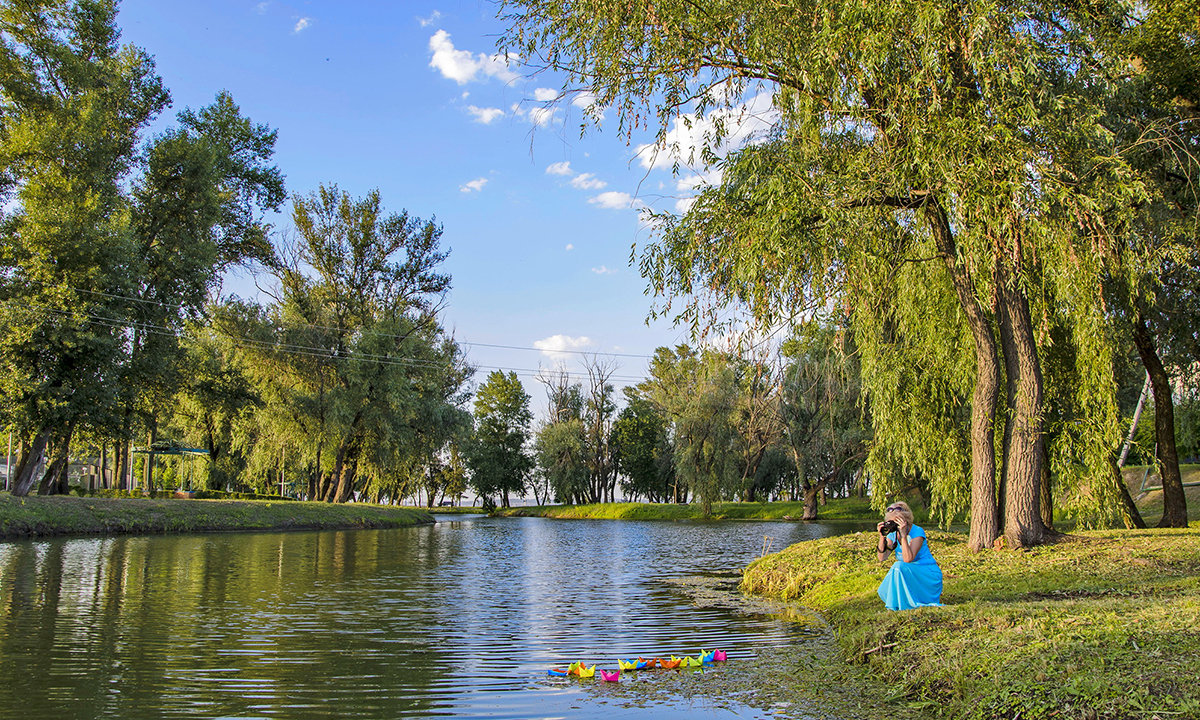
889, 526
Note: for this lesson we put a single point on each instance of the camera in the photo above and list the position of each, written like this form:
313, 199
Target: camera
889, 526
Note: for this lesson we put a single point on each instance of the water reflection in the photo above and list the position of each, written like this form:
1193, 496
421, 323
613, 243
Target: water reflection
459, 619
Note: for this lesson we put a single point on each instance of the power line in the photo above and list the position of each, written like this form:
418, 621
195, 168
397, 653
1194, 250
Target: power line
304, 350
377, 333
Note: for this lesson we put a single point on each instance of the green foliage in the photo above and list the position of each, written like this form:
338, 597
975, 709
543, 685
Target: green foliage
642, 449
561, 454
496, 454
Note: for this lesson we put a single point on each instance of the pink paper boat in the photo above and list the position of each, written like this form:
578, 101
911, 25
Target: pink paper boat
719, 656
607, 676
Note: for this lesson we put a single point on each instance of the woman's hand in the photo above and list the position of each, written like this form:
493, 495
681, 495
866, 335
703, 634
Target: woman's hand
904, 524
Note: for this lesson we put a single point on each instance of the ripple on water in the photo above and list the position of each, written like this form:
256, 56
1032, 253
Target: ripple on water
459, 619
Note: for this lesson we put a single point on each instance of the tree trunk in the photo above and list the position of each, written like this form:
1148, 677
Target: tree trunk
1046, 506
1024, 451
985, 516
30, 459
1174, 499
148, 471
1130, 514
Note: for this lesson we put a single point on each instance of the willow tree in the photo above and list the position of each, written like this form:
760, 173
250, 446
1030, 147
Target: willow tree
964, 132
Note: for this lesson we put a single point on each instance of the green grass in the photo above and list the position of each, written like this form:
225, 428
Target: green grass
845, 509
1151, 503
65, 515
1103, 625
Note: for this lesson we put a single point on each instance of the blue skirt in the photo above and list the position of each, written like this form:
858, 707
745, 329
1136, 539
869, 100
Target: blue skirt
911, 585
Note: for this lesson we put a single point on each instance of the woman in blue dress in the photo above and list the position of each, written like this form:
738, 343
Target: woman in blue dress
914, 580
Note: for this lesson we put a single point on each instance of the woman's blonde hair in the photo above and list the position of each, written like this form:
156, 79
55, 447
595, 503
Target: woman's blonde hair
902, 508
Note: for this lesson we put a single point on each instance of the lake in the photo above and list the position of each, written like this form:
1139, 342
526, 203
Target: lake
459, 619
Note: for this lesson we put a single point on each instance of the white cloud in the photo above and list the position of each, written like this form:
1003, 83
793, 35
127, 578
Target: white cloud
462, 66
540, 116
603, 270
544, 94
302, 24
558, 347
484, 115
682, 205
559, 168
570, 247
587, 181
434, 17
584, 100
262, 7
473, 186
613, 200
744, 124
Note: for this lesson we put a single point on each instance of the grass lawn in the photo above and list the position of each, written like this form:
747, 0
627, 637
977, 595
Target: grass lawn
66, 515
1103, 625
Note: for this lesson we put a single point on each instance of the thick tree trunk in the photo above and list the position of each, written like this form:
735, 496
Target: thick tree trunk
1024, 451
57, 474
985, 517
27, 465
1174, 499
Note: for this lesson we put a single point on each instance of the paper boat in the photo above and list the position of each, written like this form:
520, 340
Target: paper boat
557, 672
627, 664
671, 664
607, 676
689, 661
584, 671
718, 656
706, 656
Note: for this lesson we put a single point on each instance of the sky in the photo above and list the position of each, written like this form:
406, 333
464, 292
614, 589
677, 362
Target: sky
408, 97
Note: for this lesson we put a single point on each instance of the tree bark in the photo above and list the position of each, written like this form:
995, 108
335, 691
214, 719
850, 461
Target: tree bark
1024, 447
1174, 499
30, 459
1131, 516
148, 471
985, 517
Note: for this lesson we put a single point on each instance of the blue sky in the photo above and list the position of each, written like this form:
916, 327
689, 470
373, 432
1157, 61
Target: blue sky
407, 97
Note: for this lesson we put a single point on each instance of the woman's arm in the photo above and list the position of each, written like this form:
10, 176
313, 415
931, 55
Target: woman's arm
909, 546
883, 545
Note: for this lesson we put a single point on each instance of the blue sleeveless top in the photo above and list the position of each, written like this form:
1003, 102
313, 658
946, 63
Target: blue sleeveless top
923, 555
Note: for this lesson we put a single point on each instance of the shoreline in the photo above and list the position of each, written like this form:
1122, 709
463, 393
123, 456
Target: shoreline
68, 516
852, 510
1100, 625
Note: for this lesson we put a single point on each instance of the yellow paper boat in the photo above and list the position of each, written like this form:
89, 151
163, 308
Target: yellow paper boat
585, 671
627, 664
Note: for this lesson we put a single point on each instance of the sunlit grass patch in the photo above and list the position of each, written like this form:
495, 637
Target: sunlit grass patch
1105, 624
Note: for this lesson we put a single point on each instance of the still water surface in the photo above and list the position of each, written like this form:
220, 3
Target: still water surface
460, 619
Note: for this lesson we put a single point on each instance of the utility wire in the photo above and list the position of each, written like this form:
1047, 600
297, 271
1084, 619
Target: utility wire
372, 332
300, 350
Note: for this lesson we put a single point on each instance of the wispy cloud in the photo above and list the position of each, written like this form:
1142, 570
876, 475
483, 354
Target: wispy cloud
559, 168
614, 200
302, 24
587, 181
462, 66
427, 21
570, 247
484, 115
559, 347
603, 270
539, 116
474, 185
262, 7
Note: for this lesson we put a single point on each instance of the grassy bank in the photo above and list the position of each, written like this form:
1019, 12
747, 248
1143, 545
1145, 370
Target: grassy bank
1103, 625
835, 510
63, 515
